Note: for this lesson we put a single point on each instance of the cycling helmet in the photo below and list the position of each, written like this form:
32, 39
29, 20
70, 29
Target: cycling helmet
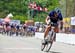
57, 10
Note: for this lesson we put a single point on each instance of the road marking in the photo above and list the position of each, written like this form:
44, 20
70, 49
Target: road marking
19, 48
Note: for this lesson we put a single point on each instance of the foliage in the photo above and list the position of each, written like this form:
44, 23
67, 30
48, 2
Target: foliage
19, 17
19, 8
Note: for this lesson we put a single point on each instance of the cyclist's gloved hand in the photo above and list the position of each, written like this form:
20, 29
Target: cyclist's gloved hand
61, 27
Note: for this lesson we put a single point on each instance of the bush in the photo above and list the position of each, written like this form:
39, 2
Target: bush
20, 17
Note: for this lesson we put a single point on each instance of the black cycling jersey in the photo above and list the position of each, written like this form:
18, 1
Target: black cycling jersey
53, 18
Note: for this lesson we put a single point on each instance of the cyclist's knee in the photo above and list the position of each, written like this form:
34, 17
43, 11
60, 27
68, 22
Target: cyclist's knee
49, 26
56, 29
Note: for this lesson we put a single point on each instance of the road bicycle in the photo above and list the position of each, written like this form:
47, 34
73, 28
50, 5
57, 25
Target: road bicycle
48, 40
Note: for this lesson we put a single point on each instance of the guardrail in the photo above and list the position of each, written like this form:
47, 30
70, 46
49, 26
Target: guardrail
60, 37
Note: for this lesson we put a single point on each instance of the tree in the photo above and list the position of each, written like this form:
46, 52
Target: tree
19, 8
73, 7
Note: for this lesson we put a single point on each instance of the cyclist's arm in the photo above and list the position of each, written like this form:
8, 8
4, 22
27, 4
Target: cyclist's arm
61, 21
47, 18
61, 24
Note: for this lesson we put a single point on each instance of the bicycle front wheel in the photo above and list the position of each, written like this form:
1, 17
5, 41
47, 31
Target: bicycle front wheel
42, 47
48, 46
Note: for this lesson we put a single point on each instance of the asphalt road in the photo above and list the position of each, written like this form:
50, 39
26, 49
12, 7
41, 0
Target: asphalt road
19, 44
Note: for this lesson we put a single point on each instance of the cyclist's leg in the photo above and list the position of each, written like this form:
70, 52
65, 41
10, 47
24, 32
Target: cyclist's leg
46, 31
56, 31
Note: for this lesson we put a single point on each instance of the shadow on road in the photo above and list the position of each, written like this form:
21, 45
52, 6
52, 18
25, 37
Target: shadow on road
53, 52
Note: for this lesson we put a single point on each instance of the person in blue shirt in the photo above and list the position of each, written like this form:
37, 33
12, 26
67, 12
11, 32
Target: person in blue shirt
53, 17
17, 27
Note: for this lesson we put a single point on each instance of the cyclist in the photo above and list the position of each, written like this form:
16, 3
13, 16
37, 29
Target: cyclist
54, 17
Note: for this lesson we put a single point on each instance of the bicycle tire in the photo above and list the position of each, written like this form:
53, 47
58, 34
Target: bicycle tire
49, 45
42, 47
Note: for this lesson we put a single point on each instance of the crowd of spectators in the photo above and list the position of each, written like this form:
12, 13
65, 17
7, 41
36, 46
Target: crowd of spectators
21, 29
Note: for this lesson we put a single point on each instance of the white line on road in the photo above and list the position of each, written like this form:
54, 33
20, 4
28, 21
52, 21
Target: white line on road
19, 48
